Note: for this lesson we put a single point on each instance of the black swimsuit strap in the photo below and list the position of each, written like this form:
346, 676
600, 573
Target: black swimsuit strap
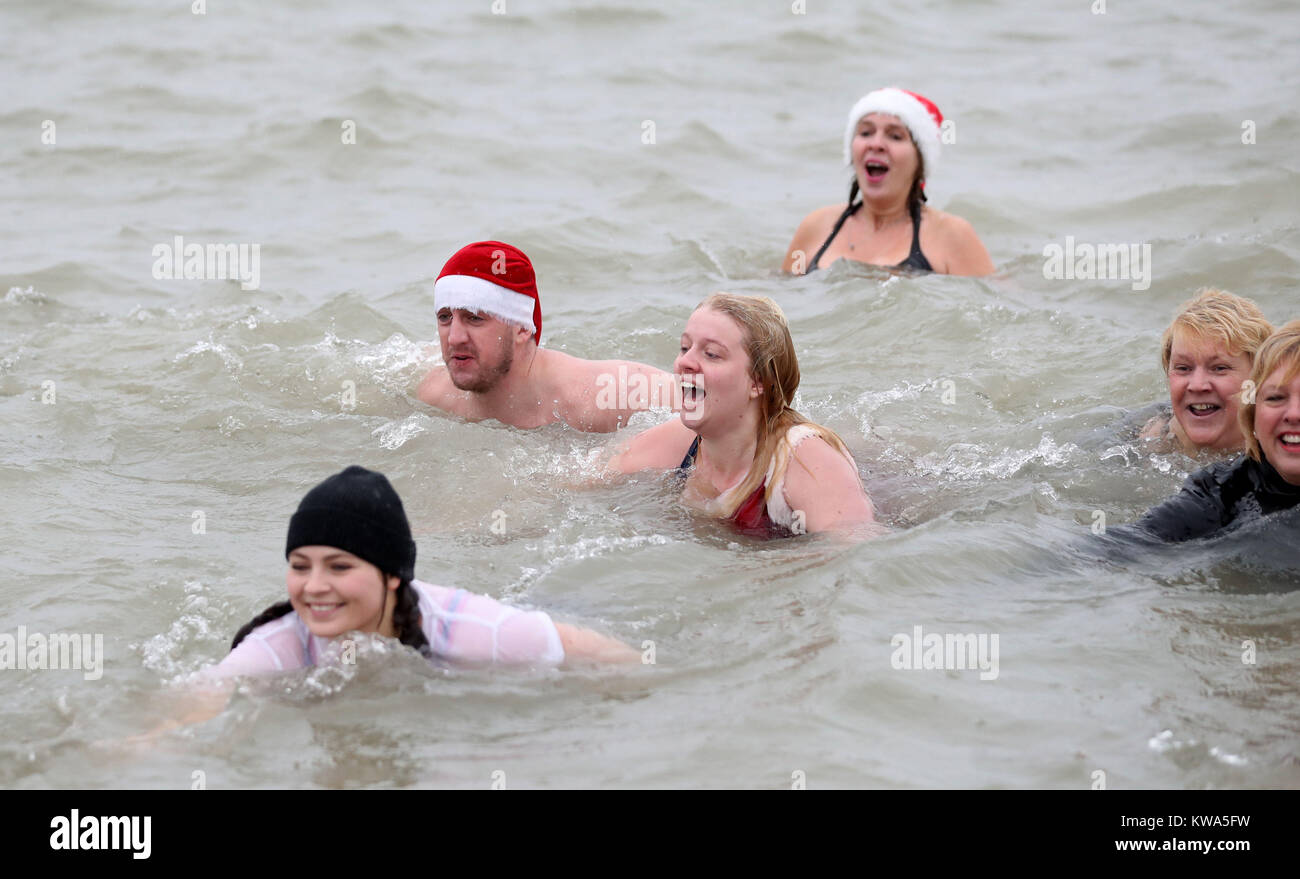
916, 260
916, 230
689, 461
848, 212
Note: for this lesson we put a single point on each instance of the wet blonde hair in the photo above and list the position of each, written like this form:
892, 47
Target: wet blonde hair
1282, 349
774, 365
1221, 316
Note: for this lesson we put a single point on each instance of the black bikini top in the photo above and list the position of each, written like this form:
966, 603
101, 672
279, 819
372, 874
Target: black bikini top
915, 262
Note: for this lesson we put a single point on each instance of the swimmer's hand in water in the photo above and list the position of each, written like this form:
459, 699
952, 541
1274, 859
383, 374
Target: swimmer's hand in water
196, 706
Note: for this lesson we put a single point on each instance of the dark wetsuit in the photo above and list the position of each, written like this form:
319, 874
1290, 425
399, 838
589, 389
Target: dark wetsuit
915, 262
751, 517
1218, 496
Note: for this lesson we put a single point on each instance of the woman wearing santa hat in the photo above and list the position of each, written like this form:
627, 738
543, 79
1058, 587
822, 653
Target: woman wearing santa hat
745, 454
891, 143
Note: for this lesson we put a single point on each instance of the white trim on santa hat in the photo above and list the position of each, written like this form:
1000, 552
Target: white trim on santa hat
481, 295
896, 102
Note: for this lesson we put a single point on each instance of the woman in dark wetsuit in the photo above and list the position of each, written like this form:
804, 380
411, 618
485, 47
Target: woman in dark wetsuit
891, 143
1266, 479
745, 455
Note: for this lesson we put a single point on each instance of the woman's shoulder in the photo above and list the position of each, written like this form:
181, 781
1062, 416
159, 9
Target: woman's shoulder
946, 226
1158, 426
815, 450
821, 448
277, 645
952, 244
814, 227
797, 433
813, 458
819, 222
434, 597
822, 479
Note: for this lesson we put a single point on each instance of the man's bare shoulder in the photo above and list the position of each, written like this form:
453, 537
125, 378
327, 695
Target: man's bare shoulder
436, 390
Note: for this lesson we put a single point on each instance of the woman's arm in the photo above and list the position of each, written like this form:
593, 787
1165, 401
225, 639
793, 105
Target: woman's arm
1197, 510
196, 704
821, 484
272, 647
584, 644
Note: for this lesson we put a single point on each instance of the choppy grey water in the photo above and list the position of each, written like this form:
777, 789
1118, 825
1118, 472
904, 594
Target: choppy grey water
981, 411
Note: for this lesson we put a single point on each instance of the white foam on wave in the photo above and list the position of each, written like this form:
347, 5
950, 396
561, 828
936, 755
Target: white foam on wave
581, 550
231, 360
1165, 743
164, 653
974, 461
395, 434
24, 294
393, 356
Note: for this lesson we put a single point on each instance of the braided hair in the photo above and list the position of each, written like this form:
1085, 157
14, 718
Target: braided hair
406, 619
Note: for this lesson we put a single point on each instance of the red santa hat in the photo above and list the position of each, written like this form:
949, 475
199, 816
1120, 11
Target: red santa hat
918, 113
491, 277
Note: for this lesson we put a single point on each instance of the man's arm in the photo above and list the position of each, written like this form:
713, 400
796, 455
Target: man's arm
662, 447
612, 391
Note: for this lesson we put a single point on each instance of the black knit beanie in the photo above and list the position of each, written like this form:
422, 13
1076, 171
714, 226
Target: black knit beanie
357, 511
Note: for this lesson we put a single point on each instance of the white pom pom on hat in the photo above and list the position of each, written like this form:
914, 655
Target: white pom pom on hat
918, 113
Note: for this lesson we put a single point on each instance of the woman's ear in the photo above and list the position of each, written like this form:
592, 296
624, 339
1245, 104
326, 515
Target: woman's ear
755, 389
392, 581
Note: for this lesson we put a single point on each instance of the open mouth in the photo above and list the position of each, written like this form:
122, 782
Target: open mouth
1204, 410
1290, 441
692, 392
876, 170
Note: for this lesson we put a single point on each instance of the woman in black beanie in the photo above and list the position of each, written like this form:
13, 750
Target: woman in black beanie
351, 569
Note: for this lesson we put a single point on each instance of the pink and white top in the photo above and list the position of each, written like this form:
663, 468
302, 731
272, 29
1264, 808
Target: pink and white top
461, 626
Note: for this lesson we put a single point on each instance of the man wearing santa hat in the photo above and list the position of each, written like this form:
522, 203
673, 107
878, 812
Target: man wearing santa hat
490, 324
